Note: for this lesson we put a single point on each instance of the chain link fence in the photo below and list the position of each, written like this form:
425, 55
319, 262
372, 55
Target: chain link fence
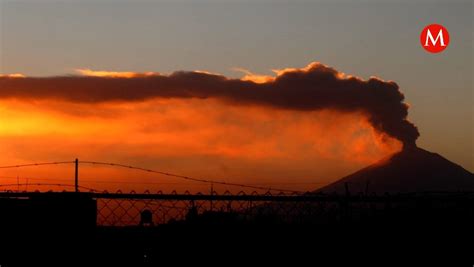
119, 209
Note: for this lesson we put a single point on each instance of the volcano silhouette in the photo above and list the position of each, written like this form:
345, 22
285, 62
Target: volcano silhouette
411, 170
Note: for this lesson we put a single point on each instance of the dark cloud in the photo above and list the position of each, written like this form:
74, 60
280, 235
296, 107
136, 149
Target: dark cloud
313, 88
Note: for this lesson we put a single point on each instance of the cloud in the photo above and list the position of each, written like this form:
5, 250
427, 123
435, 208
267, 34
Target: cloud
113, 74
203, 138
13, 75
315, 87
256, 78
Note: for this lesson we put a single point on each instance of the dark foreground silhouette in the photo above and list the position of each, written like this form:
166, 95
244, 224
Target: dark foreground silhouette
62, 231
378, 211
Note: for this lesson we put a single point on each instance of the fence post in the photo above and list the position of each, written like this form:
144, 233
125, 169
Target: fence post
76, 175
212, 193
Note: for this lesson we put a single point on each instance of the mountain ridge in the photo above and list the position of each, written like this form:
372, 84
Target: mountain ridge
413, 169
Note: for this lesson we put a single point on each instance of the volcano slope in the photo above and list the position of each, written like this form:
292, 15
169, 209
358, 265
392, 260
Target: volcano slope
412, 170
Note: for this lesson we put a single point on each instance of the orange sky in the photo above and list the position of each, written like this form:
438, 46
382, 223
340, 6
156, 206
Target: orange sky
37, 42
201, 138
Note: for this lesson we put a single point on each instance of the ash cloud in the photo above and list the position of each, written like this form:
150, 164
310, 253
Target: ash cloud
315, 87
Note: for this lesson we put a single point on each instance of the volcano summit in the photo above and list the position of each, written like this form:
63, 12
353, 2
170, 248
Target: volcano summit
411, 170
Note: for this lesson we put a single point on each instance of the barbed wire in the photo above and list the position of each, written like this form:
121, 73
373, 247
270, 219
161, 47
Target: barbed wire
189, 178
99, 181
49, 184
36, 164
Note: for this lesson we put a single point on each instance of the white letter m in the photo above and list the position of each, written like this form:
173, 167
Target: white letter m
433, 41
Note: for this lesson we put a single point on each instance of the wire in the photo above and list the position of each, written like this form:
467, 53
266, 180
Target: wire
46, 184
188, 177
36, 164
98, 181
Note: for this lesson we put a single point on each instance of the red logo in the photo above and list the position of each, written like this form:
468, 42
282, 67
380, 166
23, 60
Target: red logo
434, 38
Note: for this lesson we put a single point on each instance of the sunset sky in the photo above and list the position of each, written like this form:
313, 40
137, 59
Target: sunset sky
233, 78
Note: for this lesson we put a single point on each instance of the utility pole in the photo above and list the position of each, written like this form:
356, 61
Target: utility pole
76, 175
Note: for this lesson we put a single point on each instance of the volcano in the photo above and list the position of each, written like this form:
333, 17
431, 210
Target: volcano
411, 170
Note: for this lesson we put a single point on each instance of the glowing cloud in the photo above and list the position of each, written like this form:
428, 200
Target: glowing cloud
113, 74
14, 75
256, 78
200, 137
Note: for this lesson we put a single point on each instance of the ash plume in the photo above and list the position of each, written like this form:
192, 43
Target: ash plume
315, 87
